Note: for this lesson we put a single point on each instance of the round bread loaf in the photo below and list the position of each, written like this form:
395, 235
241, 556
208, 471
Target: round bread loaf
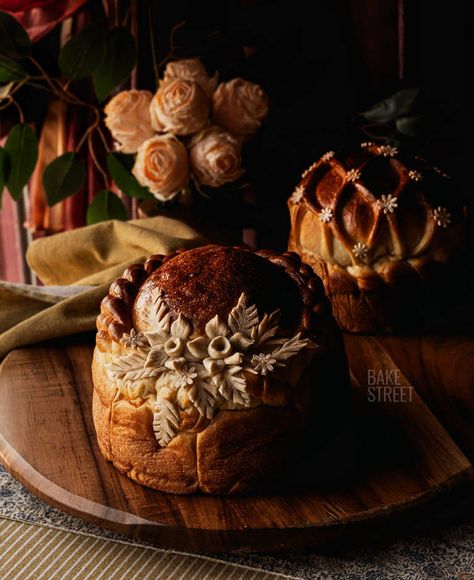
384, 232
213, 366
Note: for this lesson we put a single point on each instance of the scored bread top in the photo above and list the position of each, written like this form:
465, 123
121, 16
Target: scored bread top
206, 281
374, 205
209, 281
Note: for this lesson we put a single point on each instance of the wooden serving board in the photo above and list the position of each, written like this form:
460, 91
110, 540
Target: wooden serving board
395, 455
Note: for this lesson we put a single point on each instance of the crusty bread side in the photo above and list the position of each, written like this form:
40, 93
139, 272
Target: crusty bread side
233, 454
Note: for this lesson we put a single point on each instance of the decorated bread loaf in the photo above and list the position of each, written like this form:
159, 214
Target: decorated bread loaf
213, 367
383, 231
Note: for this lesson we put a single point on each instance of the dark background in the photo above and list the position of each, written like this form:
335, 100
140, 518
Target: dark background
322, 62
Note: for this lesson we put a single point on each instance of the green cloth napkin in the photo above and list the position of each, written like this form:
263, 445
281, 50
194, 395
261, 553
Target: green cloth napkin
87, 260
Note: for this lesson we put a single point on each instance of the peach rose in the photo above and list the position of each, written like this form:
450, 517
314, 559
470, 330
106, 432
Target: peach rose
162, 166
127, 116
192, 69
239, 106
215, 157
180, 107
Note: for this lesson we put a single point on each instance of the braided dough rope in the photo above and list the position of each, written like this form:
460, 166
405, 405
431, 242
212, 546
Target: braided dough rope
116, 308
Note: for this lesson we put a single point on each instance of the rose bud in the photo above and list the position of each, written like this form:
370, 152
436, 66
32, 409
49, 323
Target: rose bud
192, 69
239, 106
162, 166
127, 117
180, 107
215, 156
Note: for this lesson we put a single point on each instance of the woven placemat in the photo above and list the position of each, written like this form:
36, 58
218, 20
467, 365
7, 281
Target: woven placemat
38, 551
443, 553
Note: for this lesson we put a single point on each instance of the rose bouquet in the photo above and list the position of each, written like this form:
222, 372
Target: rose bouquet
187, 137
191, 129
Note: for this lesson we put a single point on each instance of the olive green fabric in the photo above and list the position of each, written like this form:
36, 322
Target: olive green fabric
86, 260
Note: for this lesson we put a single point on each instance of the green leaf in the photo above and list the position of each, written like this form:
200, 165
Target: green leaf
63, 177
3, 172
22, 150
106, 206
83, 53
393, 107
14, 41
117, 63
119, 166
412, 126
11, 70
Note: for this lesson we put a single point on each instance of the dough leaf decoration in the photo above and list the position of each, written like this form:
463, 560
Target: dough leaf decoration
158, 316
131, 367
266, 328
289, 349
208, 370
243, 318
156, 359
165, 421
203, 397
232, 386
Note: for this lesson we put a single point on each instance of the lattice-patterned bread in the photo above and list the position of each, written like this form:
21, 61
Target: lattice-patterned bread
212, 366
383, 231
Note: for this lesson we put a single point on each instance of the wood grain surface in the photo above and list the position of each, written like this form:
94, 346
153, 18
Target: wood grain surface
393, 455
441, 368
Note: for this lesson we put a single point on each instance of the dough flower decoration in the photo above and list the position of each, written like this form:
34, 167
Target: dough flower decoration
134, 339
361, 252
326, 215
415, 175
441, 217
353, 175
387, 150
298, 194
210, 120
387, 203
441, 172
209, 370
327, 156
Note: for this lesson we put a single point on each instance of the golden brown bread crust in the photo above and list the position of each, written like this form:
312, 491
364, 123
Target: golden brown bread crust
239, 448
380, 229
309, 301
235, 455
125, 435
213, 280
232, 455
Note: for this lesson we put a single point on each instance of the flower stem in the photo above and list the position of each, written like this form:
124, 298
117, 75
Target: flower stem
11, 101
96, 161
62, 92
156, 68
19, 109
172, 50
102, 136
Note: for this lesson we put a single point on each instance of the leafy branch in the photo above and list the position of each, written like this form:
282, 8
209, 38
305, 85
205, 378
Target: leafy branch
105, 59
401, 119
